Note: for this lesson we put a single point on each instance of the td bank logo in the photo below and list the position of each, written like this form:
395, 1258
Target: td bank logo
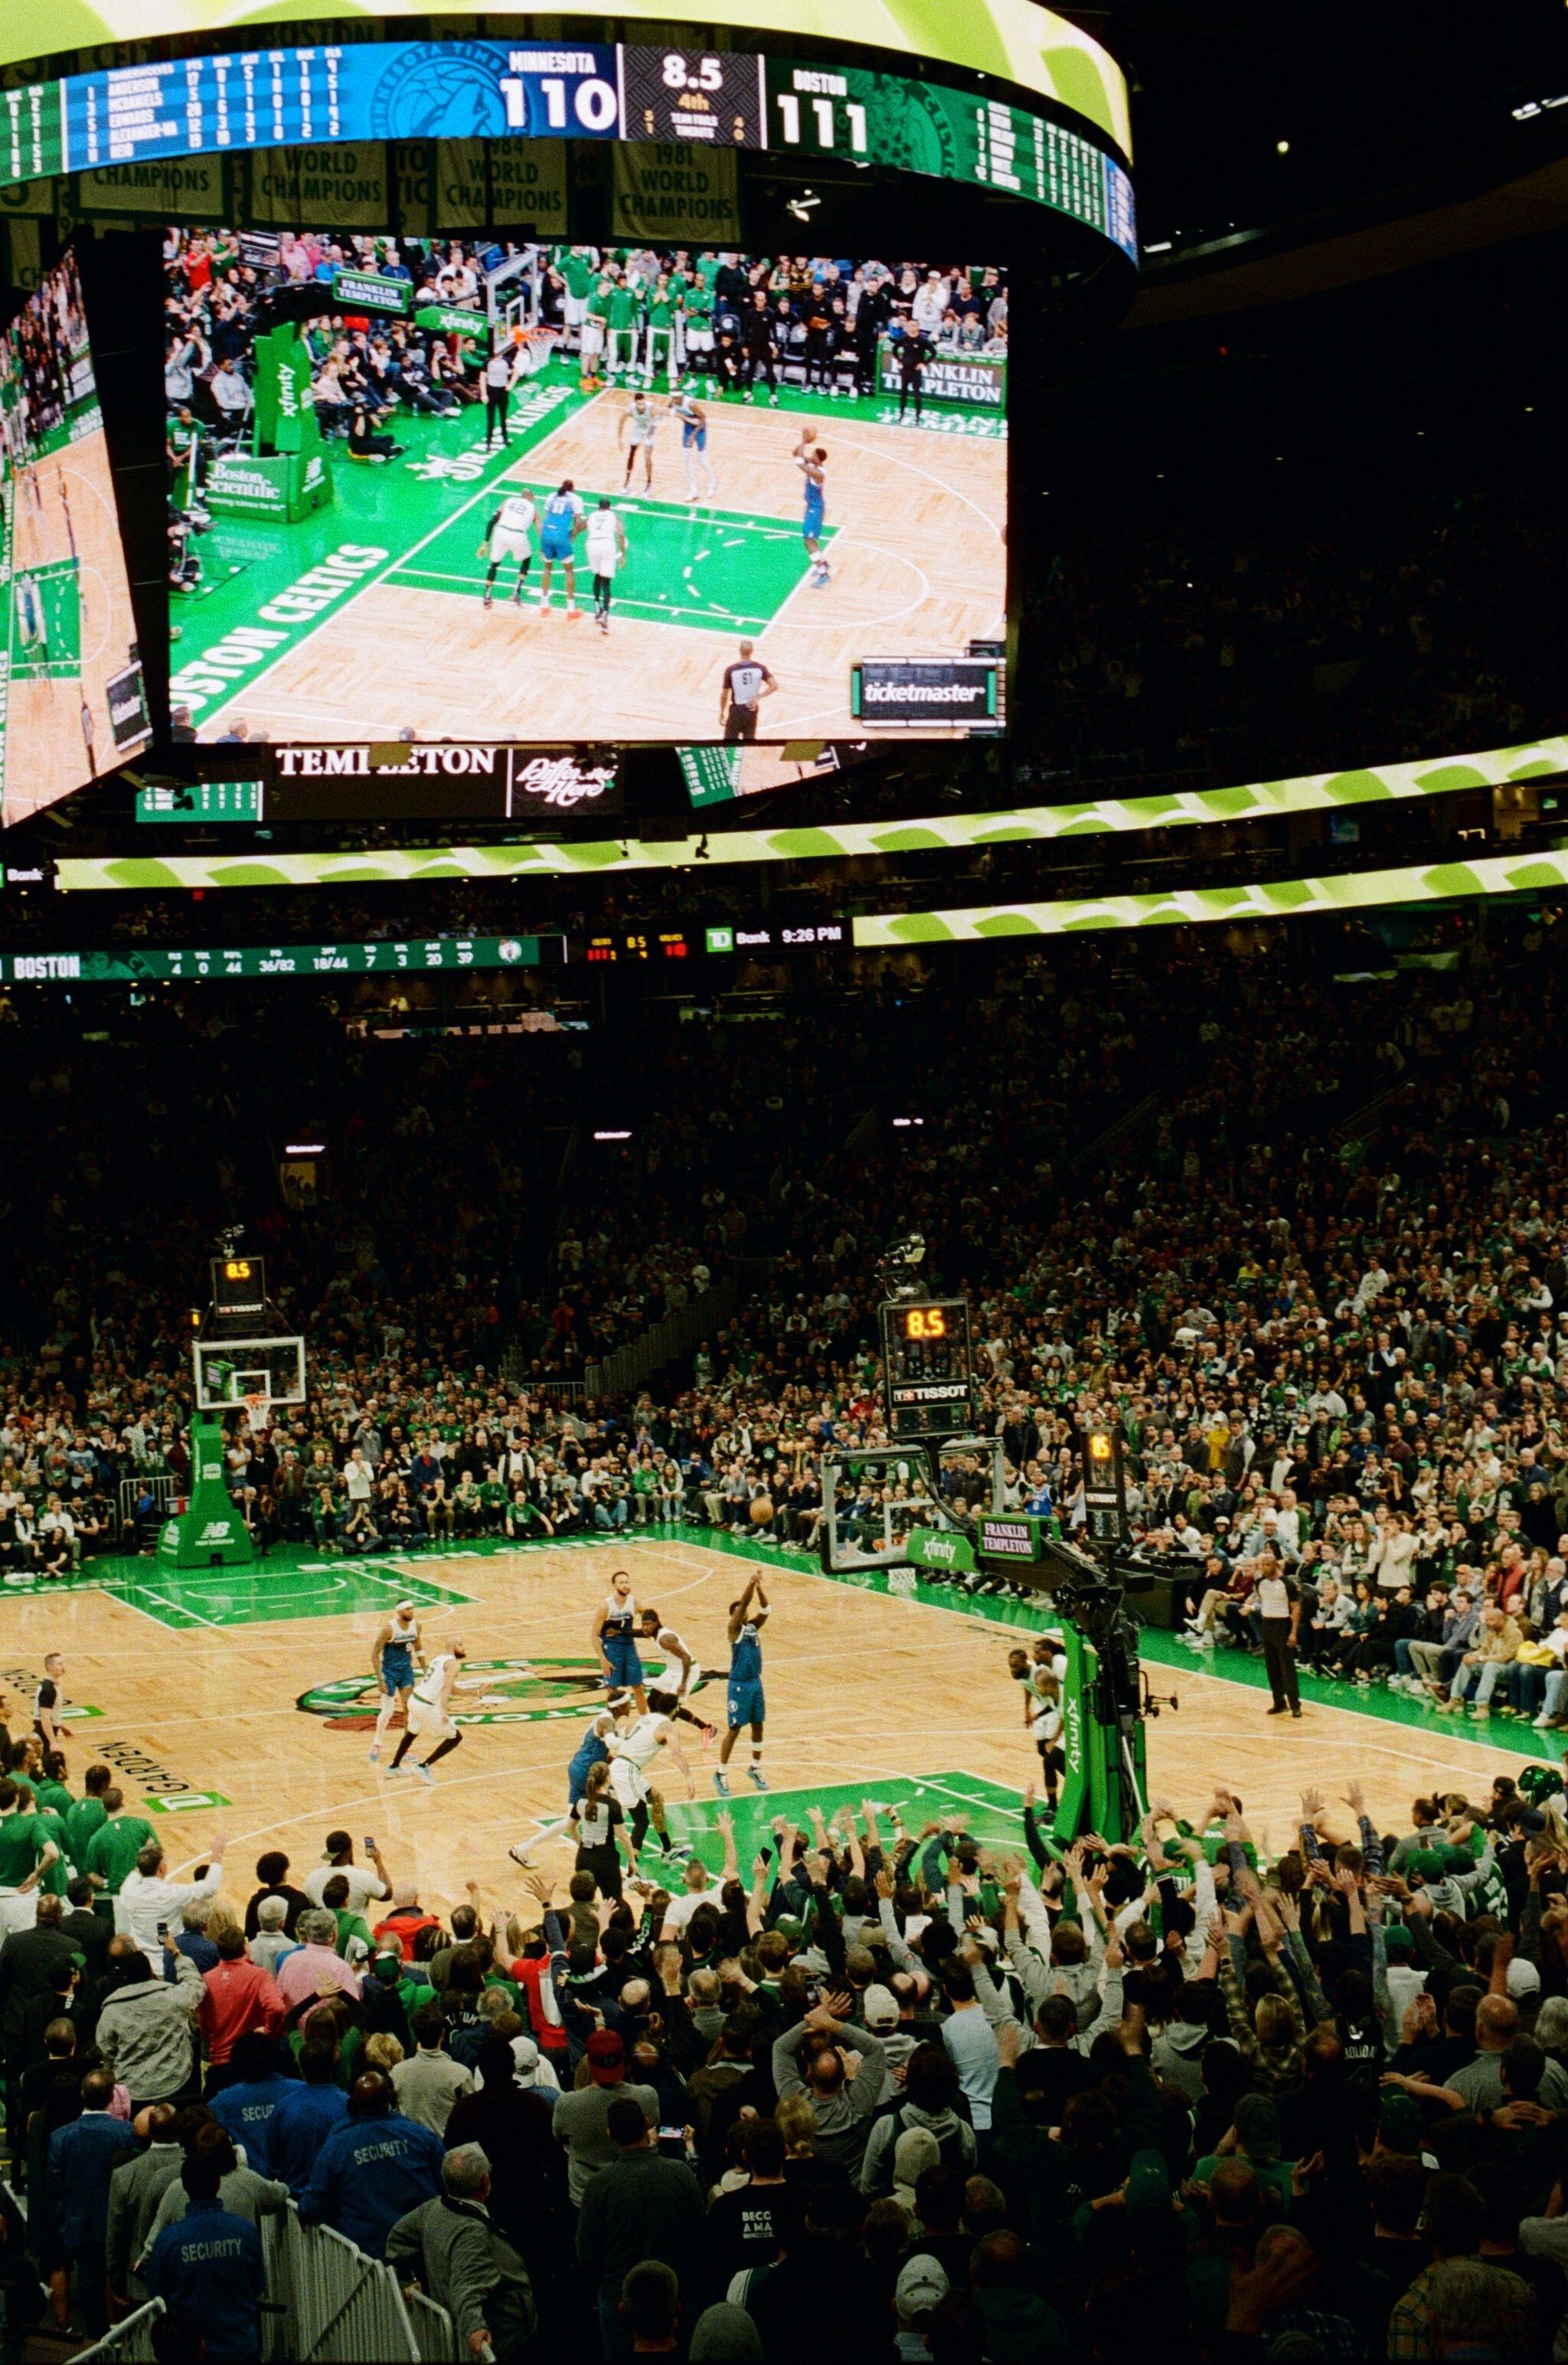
491, 1691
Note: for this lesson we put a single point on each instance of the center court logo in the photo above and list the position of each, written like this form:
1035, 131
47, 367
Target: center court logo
492, 1691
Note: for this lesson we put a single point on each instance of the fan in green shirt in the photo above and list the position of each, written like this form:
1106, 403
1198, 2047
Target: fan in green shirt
115, 1846
578, 272
625, 307
55, 1878
81, 1821
23, 1841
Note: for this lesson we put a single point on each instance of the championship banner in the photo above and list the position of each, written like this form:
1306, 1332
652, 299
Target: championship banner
671, 191
346, 187
193, 190
515, 183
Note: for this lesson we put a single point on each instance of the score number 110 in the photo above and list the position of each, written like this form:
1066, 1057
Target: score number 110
789, 105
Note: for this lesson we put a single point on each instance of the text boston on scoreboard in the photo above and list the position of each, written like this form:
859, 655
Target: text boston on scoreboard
490, 89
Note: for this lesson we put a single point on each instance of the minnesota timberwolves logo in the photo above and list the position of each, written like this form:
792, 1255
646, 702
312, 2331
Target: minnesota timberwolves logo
491, 1691
445, 89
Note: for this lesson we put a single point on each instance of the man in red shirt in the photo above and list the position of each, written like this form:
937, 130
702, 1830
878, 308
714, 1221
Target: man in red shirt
406, 1919
237, 1997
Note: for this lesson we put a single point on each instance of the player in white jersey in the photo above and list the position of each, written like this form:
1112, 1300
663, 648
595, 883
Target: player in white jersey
633, 1752
694, 446
429, 1710
638, 428
679, 1675
510, 534
604, 545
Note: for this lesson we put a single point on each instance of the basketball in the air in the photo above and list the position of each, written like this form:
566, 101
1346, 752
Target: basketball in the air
761, 1510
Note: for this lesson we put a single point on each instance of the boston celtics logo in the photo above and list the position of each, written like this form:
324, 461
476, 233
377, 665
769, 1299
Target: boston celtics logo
489, 1691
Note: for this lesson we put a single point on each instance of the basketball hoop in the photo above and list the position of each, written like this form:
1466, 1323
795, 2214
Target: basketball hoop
255, 1414
534, 348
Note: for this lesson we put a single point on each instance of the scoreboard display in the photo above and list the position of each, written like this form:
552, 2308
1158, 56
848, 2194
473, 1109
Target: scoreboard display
238, 1284
326, 92
926, 1377
715, 96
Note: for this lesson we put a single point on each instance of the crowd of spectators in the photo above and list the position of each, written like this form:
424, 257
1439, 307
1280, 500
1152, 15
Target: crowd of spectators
1336, 1350
221, 290
982, 2101
988, 2102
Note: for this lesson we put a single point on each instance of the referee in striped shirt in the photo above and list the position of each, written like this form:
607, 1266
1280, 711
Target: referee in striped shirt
746, 684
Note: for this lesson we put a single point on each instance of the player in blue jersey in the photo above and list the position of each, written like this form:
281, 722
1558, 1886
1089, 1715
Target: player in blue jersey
562, 522
614, 1632
592, 1750
392, 1658
744, 1699
694, 446
811, 461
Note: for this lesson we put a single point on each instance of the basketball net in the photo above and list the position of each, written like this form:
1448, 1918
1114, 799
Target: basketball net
535, 347
255, 1414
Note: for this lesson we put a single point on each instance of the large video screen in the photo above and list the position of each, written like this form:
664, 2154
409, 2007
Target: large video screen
71, 702
450, 488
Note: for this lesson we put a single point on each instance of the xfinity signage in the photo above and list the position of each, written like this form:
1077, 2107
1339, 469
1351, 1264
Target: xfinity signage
961, 693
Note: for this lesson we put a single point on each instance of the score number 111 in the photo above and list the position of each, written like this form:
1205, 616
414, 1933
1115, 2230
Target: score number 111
788, 106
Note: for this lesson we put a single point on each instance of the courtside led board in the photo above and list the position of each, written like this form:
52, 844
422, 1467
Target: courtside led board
653, 496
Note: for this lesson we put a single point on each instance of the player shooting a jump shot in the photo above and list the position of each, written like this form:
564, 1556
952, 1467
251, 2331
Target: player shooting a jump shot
744, 1703
811, 461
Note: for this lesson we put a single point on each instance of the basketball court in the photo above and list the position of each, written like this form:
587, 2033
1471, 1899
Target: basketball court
915, 540
256, 1721
69, 624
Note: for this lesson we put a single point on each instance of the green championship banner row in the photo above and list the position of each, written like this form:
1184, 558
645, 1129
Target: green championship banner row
1542, 759
416, 186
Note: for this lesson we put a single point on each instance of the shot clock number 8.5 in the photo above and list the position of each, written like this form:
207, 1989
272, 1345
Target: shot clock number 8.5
707, 74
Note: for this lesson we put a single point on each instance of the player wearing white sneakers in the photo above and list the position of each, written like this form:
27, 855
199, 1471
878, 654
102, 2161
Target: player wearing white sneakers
694, 445
559, 532
638, 428
680, 1674
633, 1752
604, 545
510, 534
429, 1710
392, 1657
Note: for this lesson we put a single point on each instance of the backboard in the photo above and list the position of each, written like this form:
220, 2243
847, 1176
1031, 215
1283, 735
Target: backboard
229, 1370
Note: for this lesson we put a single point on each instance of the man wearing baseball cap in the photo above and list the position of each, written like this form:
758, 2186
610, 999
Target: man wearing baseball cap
921, 2289
582, 2117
